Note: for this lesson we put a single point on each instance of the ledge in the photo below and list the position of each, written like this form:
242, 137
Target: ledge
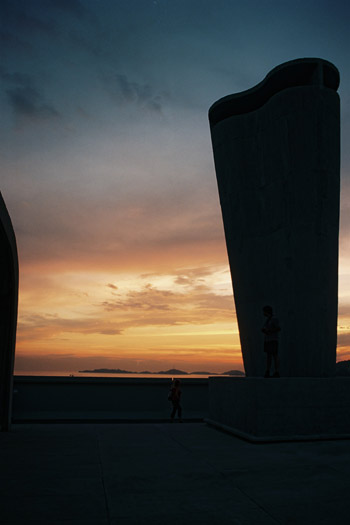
274, 439
106, 380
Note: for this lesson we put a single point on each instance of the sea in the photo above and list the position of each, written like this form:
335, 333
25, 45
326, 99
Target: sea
54, 373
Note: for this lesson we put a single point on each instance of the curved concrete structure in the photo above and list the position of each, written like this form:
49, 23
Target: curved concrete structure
277, 160
8, 313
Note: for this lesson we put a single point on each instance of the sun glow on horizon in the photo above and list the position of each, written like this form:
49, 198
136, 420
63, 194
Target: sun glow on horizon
179, 318
183, 318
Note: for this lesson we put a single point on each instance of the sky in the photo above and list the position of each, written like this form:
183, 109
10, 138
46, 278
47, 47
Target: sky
107, 171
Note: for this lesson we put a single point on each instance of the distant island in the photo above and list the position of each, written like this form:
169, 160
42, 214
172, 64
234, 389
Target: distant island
342, 369
172, 371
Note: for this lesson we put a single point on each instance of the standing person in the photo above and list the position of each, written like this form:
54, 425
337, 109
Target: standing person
176, 399
271, 329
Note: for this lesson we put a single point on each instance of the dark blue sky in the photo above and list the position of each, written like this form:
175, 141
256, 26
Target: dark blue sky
112, 96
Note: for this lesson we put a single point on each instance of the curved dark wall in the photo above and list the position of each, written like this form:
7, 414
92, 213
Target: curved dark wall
277, 160
301, 72
8, 313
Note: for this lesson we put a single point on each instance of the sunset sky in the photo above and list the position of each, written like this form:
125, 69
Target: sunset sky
108, 175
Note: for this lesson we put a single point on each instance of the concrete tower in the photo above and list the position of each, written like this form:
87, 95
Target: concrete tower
8, 313
277, 160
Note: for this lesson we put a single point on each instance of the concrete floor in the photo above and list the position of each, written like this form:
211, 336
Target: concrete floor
165, 474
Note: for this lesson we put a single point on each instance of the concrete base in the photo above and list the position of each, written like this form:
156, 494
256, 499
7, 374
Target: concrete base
284, 409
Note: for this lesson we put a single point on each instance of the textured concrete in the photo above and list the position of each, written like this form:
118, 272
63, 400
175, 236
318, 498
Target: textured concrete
277, 160
281, 409
8, 312
167, 474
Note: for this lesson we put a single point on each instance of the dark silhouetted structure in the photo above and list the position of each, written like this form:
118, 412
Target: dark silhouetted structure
277, 159
8, 313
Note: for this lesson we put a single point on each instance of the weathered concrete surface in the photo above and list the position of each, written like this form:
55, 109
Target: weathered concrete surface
8, 312
281, 409
277, 160
93, 398
167, 474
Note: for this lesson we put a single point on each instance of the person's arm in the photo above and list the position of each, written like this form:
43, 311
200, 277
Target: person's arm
274, 326
271, 327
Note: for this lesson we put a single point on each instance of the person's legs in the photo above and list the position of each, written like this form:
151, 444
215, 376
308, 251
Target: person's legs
174, 410
276, 363
268, 364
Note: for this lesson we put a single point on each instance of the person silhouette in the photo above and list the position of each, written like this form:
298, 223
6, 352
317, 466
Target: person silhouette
176, 400
271, 330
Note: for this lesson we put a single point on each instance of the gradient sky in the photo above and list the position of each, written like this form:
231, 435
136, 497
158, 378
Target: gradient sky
108, 175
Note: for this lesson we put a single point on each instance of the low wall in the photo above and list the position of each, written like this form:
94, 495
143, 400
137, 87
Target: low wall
92, 398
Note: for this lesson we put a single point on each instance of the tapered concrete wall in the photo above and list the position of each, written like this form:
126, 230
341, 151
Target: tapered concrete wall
8, 312
277, 160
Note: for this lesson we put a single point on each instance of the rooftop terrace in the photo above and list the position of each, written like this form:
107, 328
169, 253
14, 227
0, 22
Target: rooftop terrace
165, 474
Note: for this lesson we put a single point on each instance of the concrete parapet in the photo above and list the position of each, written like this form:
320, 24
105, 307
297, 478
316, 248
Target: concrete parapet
99, 399
281, 409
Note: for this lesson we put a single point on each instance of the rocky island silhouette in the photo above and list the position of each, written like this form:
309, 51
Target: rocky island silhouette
171, 371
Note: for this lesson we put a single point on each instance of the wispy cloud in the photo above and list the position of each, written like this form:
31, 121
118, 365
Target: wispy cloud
122, 309
74, 7
12, 43
27, 103
151, 306
113, 286
123, 90
80, 229
192, 276
148, 299
27, 24
343, 339
48, 326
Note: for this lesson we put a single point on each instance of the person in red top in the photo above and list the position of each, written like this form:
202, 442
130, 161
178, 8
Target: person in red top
176, 400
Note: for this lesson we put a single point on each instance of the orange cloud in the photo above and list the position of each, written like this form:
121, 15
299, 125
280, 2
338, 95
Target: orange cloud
184, 316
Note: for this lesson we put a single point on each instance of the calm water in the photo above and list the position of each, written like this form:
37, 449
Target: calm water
52, 373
